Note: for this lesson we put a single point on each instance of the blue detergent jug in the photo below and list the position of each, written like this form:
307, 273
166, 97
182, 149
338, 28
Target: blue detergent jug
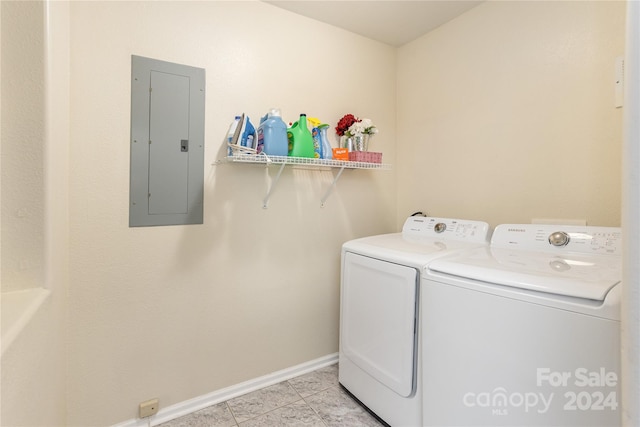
272, 135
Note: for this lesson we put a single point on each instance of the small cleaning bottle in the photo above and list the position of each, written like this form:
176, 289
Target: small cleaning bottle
300, 139
327, 151
315, 134
317, 143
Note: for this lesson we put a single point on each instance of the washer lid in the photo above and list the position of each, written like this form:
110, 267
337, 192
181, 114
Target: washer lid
569, 274
404, 249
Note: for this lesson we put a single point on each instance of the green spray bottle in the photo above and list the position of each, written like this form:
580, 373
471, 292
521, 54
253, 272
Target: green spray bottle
300, 139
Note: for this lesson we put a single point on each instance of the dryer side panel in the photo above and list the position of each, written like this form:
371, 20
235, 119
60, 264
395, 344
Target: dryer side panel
378, 320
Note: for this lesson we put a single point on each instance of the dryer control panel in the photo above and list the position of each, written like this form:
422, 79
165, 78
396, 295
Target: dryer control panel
446, 228
558, 238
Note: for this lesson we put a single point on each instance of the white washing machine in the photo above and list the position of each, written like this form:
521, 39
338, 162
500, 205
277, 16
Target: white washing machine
525, 332
379, 311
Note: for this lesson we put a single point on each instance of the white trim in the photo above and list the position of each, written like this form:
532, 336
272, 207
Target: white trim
630, 308
192, 405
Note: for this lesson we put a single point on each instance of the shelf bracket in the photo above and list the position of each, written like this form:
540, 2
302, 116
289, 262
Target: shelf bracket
330, 190
265, 201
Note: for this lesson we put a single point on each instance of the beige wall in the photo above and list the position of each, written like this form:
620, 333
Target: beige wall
506, 114
22, 142
177, 312
34, 364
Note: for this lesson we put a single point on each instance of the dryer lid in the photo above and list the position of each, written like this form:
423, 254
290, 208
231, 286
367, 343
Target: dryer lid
573, 275
404, 249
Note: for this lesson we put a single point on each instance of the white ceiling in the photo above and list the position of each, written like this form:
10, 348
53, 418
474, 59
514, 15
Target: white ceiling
394, 22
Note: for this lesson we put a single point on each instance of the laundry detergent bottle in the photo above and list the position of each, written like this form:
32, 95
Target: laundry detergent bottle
272, 135
300, 139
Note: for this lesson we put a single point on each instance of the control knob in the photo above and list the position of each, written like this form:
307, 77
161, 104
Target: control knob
559, 238
440, 227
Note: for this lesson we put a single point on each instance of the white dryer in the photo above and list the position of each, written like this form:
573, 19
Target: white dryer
379, 357
525, 332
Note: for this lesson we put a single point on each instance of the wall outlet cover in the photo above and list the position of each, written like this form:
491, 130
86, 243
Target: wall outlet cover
148, 408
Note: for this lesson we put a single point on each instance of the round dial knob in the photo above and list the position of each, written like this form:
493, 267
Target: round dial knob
559, 238
440, 227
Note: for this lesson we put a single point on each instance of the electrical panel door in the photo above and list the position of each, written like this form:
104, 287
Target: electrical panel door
167, 143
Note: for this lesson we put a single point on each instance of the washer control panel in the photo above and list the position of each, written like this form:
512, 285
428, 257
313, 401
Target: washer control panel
446, 228
571, 238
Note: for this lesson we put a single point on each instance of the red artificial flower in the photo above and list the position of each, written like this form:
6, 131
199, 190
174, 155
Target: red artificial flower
345, 123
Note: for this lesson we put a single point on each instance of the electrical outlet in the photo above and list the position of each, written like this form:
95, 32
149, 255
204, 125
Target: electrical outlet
148, 408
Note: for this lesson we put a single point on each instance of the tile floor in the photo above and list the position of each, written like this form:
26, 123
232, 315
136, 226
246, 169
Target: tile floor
314, 399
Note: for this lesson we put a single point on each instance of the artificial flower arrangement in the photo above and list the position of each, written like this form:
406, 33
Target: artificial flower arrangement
349, 125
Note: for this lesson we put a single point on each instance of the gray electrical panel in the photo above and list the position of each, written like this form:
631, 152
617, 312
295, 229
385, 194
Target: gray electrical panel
167, 143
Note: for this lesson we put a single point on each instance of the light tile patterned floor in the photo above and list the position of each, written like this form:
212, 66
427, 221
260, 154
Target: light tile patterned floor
314, 399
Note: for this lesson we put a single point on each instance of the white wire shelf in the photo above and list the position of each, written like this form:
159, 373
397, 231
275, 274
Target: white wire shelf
301, 162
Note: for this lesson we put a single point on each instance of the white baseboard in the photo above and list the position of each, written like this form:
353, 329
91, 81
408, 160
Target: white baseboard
192, 405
